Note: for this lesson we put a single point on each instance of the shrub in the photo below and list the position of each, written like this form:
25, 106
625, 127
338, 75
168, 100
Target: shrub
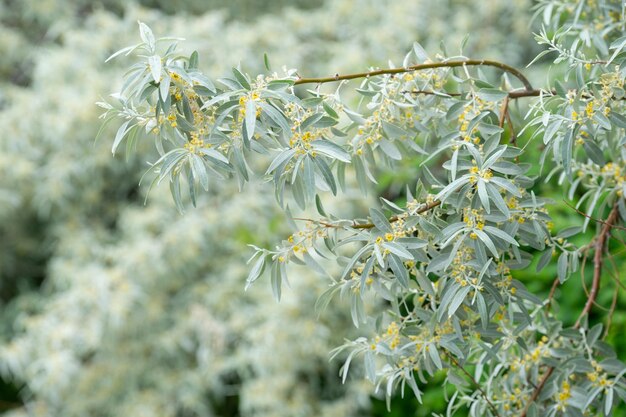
441, 256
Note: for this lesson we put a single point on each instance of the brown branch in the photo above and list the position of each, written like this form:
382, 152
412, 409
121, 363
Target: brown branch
555, 284
513, 95
419, 67
600, 245
476, 384
423, 209
593, 218
503, 111
430, 93
597, 262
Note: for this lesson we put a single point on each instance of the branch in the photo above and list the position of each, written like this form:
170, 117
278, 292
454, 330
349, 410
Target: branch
419, 67
601, 241
597, 262
512, 95
593, 218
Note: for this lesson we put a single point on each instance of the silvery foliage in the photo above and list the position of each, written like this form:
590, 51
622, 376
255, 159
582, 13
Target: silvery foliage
443, 260
113, 264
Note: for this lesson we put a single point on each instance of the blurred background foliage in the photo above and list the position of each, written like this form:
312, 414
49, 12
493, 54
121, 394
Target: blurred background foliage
109, 307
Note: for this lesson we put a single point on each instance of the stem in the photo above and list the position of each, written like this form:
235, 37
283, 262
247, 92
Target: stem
600, 245
419, 67
476, 384
597, 262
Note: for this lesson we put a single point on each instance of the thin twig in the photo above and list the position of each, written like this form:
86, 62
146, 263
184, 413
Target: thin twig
513, 139
476, 384
555, 284
419, 67
593, 218
503, 111
430, 93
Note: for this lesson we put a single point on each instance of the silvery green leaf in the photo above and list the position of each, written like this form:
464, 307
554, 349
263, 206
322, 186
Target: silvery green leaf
545, 258
215, 155
187, 110
256, 271
450, 188
327, 174
493, 158
357, 311
121, 132
199, 170
380, 220
398, 250
276, 280
176, 195
390, 149
169, 161
454, 164
309, 121
394, 132
313, 264
164, 87
434, 356
482, 310
280, 84
250, 119
281, 158
551, 130
319, 206
242, 79
308, 178
569, 232
147, 36
324, 300
608, 401
594, 334
562, 265
458, 299
329, 110
411, 242
566, 151
507, 185
399, 271
355, 258
125, 51
419, 52
491, 94
500, 234
370, 366
618, 119
277, 117
594, 152
482, 195
155, 67
497, 199
298, 192
487, 241
193, 60
330, 149
508, 168
391, 206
